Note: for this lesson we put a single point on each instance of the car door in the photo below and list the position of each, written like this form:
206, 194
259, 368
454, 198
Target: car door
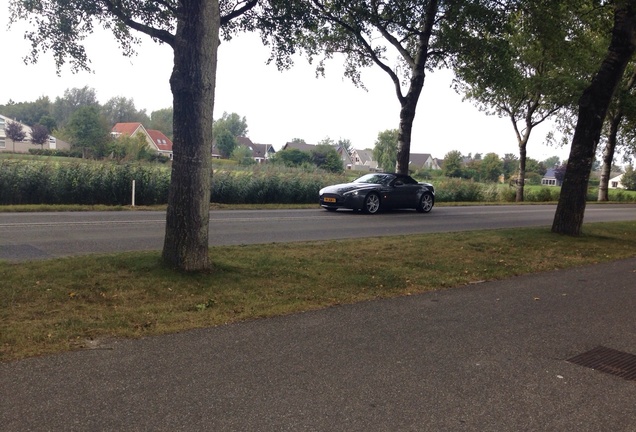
403, 193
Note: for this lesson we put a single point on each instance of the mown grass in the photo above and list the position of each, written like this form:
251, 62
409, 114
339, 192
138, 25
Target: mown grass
71, 303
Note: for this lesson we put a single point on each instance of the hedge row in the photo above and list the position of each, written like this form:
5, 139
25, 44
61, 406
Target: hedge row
277, 185
46, 182
459, 190
35, 182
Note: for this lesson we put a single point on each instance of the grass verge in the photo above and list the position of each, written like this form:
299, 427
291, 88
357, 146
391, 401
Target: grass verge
71, 303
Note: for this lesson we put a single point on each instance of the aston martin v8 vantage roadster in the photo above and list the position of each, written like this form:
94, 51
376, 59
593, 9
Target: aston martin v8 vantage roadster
379, 191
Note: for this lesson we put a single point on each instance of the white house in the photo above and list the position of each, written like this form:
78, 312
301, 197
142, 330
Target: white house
363, 160
615, 182
8, 145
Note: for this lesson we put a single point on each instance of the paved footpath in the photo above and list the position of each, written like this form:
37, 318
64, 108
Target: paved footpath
486, 357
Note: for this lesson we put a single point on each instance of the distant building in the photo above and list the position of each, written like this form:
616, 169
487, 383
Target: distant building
423, 161
549, 179
363, 160
156, 140
616, 182
8, 145
260, 152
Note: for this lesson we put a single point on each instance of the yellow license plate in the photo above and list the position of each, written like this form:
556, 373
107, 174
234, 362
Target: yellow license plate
331, 200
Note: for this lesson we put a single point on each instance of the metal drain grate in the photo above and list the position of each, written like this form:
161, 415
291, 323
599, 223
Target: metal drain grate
608, 360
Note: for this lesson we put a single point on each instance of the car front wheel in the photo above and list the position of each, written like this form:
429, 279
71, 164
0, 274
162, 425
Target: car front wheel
371, 203
426, 203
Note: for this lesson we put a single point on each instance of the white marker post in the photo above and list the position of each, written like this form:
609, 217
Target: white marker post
133, 193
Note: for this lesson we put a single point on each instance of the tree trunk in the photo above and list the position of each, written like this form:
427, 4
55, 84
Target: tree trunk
521, 179
608, 157
407, 116
593, 107
522, 140
408, 103
192, 84
612, 142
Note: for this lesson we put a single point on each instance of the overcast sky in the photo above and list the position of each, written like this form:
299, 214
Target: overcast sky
278, 106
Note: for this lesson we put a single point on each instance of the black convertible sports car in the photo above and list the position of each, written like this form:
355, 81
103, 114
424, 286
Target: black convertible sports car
373, 192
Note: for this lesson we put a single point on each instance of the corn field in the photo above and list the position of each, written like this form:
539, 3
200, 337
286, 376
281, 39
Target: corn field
35, 182
44, 182
93, 183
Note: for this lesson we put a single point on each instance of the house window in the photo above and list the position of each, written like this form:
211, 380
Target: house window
2, 143
614, 184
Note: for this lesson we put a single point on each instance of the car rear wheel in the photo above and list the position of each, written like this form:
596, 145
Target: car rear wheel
371, 204
426, 203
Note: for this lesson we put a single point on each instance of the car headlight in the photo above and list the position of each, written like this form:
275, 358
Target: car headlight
351, 193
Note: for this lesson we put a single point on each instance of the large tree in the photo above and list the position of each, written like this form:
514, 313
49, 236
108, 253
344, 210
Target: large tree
528, 72
233, 123
400, 37
620, 126
385, 149
28, 113
491, 168
122, 109
593, 106
453, 165
191, 29
88, 130
73, 99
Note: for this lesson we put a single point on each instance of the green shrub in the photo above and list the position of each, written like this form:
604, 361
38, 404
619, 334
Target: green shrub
270, 184
544, 194
55, 152
508, 194
458, 190
38, 182
24, 181
533, 178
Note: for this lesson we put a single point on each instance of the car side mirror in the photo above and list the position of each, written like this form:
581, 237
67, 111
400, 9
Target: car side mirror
398, 183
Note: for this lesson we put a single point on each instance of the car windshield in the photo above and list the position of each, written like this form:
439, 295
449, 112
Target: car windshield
375, 179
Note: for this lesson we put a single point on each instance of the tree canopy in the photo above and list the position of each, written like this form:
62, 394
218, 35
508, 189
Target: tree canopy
15, 131
39, 135
326, 157
535, 64
120, 109
401, 38
231, 122
385, 149
87, 129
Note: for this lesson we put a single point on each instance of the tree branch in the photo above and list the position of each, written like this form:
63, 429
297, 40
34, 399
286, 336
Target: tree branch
367, 48
115, 8
250, 4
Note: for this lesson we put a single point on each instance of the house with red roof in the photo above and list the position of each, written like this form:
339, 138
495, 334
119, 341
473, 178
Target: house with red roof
155, 139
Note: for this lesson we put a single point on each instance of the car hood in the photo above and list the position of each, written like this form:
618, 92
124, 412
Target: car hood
347, 187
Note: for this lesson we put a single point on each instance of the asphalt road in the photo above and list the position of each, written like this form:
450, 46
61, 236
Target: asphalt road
26, 236
487, 357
